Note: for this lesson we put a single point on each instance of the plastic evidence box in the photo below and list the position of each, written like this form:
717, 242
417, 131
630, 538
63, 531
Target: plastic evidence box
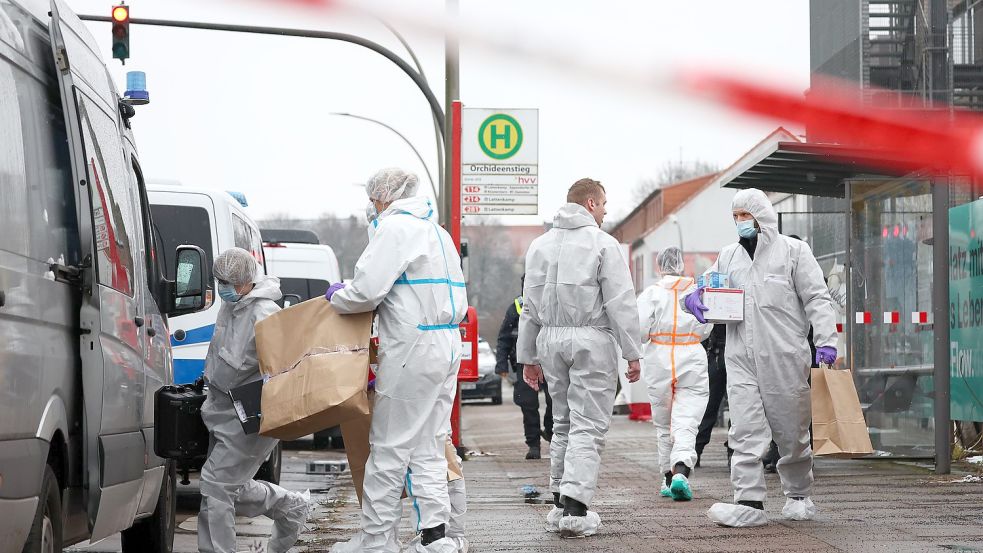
725, 305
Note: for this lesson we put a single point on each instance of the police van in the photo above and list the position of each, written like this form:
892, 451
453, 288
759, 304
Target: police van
215, 221
83, 299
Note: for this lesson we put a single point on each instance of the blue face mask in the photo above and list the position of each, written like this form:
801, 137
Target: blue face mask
745, 229
228, 293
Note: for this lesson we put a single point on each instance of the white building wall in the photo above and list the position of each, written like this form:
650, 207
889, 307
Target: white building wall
706, 224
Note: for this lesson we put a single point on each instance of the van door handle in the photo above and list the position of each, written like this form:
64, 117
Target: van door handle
138, 321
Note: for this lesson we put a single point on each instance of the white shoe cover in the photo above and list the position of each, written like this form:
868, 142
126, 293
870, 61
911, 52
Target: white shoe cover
463, 545
737, 516
802, 509
553, 520
580, 527
368, 543
288, 529
443, 545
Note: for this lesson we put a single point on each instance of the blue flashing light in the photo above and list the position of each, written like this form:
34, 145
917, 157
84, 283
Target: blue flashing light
136, 88
239, 197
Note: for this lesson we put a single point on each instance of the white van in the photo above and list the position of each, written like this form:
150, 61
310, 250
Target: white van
83, 299
304, 266
213, 220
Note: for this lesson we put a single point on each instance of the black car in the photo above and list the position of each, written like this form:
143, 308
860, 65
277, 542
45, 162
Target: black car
489, 384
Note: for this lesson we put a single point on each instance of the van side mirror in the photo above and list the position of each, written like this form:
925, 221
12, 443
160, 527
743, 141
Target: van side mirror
186, 294
290, 299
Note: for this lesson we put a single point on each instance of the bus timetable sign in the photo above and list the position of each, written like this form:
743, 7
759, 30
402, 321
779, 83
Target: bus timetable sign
500, 161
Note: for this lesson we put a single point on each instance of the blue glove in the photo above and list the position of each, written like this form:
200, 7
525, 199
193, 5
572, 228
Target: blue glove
826, 354
694, 302
332, 289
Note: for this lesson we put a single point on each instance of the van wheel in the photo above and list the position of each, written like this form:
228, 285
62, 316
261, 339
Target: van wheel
270, 470
155, 534
45, 536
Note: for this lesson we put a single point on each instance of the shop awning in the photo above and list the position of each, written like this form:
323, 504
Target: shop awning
788, 166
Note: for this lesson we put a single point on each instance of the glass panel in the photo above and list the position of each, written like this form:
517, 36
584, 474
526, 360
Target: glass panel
891, 281
181, 225
114, 212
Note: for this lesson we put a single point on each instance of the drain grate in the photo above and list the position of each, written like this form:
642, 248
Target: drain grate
326, 467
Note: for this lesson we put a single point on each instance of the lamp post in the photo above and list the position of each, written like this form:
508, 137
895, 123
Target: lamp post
406, 140
675, 220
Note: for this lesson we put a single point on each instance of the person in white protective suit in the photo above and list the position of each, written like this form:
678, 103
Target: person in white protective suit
675, 371
578, 316
410, 273
456, 490
768, 360
226, 483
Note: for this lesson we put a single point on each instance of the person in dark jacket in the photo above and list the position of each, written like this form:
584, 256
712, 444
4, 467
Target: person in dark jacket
717, 372
525, 397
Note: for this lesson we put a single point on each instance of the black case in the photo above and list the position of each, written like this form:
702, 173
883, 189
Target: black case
179, 432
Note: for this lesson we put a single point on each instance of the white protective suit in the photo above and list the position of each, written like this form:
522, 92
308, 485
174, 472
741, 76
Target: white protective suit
675, 369
226, 483
578, 313
411, 273
768, 356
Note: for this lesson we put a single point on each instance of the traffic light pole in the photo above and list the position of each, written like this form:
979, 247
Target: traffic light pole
418, 79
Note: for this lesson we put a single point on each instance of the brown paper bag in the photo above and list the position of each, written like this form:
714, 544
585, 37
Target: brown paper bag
355, 432
838, 425
317, 361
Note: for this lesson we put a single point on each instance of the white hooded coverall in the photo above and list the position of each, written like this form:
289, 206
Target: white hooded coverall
226, 483
578, 311
675, 369
767, 354
410, 272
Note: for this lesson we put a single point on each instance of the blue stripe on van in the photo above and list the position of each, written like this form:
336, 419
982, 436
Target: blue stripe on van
187, 371
195, 336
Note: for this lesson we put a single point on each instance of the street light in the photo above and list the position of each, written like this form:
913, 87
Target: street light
675, 220
406, 140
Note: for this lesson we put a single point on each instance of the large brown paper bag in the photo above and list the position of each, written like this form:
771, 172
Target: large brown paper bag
316, 364
355, 433
838, 425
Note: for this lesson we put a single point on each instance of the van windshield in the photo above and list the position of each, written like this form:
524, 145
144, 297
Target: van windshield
182, 225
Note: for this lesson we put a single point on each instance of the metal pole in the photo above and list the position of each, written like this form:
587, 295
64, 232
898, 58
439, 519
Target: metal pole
452, 92
436, 124
406, 140
938, 71
435, 108
940, 308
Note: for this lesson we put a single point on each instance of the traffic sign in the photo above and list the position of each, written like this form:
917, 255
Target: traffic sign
500, 161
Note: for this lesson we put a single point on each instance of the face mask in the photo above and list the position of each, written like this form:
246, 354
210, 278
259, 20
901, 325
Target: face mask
228, 293
745, 229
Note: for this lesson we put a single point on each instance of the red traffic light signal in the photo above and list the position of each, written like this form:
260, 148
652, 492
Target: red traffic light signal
121, 32
121, 14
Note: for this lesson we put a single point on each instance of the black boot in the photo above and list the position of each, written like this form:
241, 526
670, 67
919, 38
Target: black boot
759, 505
534, 452
557, 500
681, 468
574, 508
430, 535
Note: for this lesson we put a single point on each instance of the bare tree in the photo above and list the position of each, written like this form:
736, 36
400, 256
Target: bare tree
494, 271
669, 173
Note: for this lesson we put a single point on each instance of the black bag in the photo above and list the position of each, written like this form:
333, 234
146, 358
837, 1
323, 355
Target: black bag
179, 432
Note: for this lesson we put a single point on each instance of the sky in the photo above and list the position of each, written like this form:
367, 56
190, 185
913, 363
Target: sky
255, 113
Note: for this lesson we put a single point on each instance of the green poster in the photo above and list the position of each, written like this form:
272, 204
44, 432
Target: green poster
966, 310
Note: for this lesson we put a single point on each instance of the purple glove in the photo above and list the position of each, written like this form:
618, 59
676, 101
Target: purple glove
694, 302
332, 289
826, 354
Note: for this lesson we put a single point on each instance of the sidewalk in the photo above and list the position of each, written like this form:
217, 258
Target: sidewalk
875, 506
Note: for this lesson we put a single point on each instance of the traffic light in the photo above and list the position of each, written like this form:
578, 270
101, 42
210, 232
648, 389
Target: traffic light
121, 32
